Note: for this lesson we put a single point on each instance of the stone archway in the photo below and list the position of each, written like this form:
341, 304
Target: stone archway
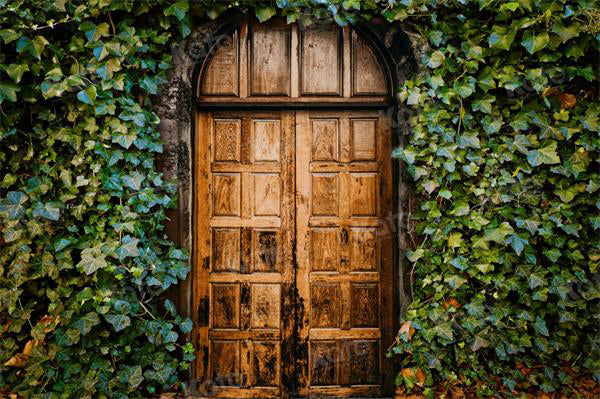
176, 128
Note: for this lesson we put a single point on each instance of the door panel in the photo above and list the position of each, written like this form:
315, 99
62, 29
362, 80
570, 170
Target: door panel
343, 260
315, 322
245, 214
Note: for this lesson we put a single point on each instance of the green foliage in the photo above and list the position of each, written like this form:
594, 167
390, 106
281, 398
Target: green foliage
83, 261
503, 151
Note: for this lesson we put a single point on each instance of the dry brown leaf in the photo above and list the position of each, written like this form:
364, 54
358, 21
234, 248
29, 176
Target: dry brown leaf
407, 330
30, 345
49, 322
401, 394
416, 372
6, 326
567, 100
457, 392
452, 302
420, 377
18, 360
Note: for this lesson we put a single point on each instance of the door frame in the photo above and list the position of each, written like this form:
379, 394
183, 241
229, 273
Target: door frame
389, 107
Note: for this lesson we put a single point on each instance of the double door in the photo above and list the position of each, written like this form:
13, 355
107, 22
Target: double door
293, 256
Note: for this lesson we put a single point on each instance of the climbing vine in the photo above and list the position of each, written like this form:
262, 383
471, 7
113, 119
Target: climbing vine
83, 258
502, 148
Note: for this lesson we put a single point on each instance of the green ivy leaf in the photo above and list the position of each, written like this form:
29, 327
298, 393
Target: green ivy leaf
118, 321
168, 304
8, 91
469, 140
61, 244
565, 33
540, 326
135, 377
444, 331
415, 255
459, 262
455, 281
124, 140
178, 9
553, 254
91, 260
534, 42
501, 38
436, 59
16, 71
48, 211
479, 343
33, 47
186, 326
265, 13
87, 96
133, 181
85, 323
460, 208
546, 155
94, 32
8, 35
12, 205
128, 248
499, 233
536, 280
517, 243
149, 85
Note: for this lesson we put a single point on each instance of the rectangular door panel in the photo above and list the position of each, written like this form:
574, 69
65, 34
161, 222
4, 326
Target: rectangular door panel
245, 217
293, 258
343, 260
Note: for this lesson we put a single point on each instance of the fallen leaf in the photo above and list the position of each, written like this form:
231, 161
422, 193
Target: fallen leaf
567, 100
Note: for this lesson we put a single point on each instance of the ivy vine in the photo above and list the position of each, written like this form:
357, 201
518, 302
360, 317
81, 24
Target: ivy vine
503, 151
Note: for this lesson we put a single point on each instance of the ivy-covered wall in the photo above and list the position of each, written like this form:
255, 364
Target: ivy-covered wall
500, 138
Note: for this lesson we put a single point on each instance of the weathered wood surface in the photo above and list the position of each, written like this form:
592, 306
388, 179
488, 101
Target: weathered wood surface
246, 260
293, 277
279, 62
344, 262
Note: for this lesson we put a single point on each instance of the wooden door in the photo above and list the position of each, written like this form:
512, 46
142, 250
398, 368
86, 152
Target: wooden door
295, 285
344, 254
293, 262
245, 213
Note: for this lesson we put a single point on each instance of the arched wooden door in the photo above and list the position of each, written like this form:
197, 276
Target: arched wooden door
293, 267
